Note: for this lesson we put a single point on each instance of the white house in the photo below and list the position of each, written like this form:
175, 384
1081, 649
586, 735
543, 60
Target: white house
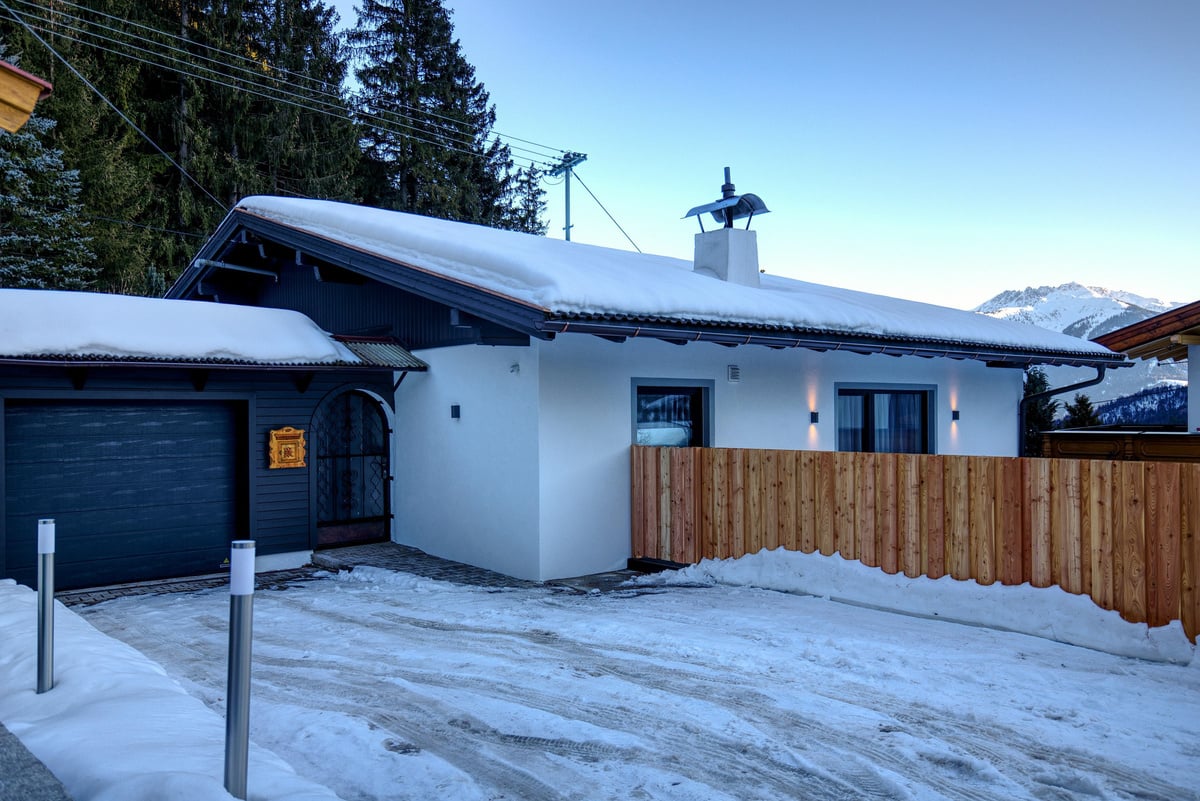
548, 359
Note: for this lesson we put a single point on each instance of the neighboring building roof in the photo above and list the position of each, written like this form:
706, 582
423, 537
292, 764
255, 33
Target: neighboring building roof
43, 326
545, 286
1164, 336
19, 92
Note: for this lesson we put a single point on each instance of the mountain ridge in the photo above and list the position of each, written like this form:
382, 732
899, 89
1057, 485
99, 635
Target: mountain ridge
1087, 312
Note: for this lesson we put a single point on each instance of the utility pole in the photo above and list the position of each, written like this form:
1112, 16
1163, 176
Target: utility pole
563, 168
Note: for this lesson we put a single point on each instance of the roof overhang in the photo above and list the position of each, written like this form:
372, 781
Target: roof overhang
1164, 337
732, 335
240, 224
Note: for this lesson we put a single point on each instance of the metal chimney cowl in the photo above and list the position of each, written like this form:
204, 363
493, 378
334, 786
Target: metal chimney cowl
730, 254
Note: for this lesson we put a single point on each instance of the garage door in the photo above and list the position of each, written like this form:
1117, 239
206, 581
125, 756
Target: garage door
138, 491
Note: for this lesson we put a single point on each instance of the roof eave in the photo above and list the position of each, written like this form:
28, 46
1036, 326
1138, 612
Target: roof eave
829, 341
206, 364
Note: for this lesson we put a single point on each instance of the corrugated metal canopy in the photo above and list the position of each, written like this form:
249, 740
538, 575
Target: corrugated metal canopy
382, 352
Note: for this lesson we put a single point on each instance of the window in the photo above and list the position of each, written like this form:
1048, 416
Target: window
884, 420
669, 413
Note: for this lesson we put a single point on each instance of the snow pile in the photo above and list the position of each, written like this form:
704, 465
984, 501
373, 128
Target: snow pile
115, 727
1051, 613
91, 325
569, 278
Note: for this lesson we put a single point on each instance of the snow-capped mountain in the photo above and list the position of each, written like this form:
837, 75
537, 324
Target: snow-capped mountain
1088, 312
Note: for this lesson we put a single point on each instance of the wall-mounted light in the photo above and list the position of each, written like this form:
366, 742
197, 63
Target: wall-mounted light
954, 414
814, 417
455, 411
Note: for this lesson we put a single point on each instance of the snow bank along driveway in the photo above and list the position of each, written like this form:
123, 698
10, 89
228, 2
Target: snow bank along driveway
381, 685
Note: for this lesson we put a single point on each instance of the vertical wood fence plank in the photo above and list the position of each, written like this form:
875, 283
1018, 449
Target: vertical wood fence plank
1130, 591
824, 470
1190, 550
933, 516
908, 513
1041, 551
771, 499
737, 495
1162, 541
887, 536
958, 519
1099, 529
1008, 522
1086, 487
663, 545
806, 484
636, 486
752, 541
1065, 523
706, 536
980, 475
845, 484
788, 510
724, 504
864, 510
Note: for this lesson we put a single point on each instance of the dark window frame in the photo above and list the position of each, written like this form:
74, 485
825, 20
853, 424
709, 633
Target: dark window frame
868, 392
703, 400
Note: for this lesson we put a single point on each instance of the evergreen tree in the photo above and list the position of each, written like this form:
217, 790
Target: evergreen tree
530, 203
1080, 413
43, 238
434, 153
242, 115
1039, 414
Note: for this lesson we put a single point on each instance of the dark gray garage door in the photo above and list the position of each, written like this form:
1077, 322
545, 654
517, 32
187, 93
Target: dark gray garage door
137, 490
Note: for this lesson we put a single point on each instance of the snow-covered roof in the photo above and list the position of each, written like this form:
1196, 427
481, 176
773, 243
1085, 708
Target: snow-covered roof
570, 281
85, 326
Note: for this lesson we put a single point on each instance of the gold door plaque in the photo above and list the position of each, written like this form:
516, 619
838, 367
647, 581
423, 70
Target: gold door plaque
287, 447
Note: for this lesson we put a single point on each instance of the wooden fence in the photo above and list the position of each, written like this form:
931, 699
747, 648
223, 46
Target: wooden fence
1125, 533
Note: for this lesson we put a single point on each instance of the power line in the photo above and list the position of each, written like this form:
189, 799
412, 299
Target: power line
111, 105
601, 205
254, 70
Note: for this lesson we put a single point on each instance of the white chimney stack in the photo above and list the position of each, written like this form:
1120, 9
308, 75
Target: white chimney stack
730, 254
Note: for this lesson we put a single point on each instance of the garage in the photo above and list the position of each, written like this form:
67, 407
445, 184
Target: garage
138, 489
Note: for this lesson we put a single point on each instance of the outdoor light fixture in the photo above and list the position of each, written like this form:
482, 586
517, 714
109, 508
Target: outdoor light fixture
954, 414
814, 417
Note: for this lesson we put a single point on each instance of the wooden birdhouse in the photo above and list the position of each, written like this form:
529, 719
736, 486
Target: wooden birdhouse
19, 92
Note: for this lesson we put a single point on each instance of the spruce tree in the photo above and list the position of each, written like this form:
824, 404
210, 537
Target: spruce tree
1080, 413
529, 203
43, 238
427, 137
1039, 414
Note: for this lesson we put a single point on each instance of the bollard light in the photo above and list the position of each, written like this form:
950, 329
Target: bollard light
237, 704
45, 617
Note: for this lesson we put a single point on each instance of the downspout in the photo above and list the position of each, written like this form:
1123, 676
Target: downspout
1091, 382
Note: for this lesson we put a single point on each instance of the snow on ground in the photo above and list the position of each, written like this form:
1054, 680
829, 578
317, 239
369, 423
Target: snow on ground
381, 685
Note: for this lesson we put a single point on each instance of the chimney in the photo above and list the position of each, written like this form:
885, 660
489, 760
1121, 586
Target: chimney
729, 253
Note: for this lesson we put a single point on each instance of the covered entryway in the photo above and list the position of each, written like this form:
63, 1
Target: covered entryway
139, 490
352, 471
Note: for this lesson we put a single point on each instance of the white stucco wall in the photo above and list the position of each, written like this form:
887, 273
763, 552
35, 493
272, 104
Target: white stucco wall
467, 489
533, 479
585, 422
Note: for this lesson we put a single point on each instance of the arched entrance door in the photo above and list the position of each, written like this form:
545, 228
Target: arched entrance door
351, 460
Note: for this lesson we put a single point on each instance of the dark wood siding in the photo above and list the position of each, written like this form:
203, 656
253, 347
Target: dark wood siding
347, 304
274, 507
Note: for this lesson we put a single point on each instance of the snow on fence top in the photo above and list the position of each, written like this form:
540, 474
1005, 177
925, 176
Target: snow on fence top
86, 325
568, 278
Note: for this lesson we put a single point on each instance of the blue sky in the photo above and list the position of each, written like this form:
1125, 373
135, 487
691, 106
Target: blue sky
929, 149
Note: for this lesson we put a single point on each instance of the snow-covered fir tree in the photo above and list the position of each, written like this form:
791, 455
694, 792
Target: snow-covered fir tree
43, 236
